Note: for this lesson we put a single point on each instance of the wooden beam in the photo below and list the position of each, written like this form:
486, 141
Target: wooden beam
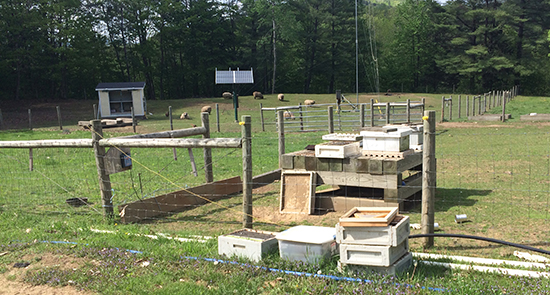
179, 201
49, 143
175, 142
170, 134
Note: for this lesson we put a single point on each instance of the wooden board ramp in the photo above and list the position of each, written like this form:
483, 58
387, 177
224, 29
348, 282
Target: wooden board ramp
178, 201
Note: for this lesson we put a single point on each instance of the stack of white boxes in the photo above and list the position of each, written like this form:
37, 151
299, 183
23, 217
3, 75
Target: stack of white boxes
383, 249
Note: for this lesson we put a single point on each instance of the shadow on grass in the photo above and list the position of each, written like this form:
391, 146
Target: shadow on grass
446, 199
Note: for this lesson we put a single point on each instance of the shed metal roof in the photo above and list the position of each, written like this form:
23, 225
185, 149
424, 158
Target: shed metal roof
120, 86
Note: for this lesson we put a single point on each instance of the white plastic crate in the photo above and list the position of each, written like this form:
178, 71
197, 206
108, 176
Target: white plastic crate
248, 243
337, 149
393, 141
397, 267
372, 255
391, 235
310, 244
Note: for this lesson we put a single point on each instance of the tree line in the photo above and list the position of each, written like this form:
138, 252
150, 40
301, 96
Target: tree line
60, 49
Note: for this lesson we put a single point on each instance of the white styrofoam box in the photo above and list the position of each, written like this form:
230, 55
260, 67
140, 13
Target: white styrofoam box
391, 235
248, 243
397, 267
416, 138
310, 244
372, 255
393, 141
339, 151
343, 136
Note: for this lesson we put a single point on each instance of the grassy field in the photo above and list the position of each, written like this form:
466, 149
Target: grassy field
495, 173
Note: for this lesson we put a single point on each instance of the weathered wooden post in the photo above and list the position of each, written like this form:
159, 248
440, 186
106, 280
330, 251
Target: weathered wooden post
171, 128
451, 108
479, 108
281, 133
330, 120
30, 120
95, 111
408, 110
207, 151
459, 105
362, 115
429, 178
503, 108
262, 116
247, 171
484, 103
371, 112
442, 109
134, 118
58, 109
104, 179
473, 105
387, 113
31, 161
423, 105
218, 117
467, 106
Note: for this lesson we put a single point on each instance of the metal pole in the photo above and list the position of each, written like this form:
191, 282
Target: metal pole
218, 117
371, 112
262, 116
442, 109
408, 111
330, 120
362, 115
429, 177
134, 119
247, 171
451, 108
387, 113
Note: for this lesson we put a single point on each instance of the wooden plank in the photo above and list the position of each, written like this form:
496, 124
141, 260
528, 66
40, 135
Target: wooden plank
368, 216
173, 142
266, 178
179, 200
297, 192
358, 179
343, 204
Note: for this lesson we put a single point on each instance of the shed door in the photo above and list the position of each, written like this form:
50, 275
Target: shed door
120, 102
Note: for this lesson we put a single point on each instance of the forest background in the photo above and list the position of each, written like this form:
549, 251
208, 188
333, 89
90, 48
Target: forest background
61, 49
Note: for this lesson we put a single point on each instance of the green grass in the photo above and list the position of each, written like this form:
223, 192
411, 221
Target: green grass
498, 176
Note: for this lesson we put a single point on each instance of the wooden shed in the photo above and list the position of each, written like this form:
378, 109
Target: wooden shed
117, 99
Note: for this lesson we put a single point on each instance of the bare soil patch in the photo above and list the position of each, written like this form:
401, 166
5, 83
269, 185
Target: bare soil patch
11, 281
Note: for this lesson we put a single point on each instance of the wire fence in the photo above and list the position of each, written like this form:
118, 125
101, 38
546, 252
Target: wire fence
498, 177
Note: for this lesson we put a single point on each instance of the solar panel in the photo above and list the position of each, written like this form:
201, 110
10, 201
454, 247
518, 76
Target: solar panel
234, 77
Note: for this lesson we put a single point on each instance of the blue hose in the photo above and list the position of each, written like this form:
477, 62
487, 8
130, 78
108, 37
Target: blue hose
290, 272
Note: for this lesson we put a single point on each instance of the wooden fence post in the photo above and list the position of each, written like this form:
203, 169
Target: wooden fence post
262, 116
371, 112
451, 108
30, 120
330, 120
408, 110
442, 109
467, 106
459, 105
503, 108
362, 115
171, 128
247, 171
423, 104
209, 175
479, 108
104, 179
134, 118
429, 177
473, 105
484, 103
31, 160
281, 133
58, 109
218, 117
387, 113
